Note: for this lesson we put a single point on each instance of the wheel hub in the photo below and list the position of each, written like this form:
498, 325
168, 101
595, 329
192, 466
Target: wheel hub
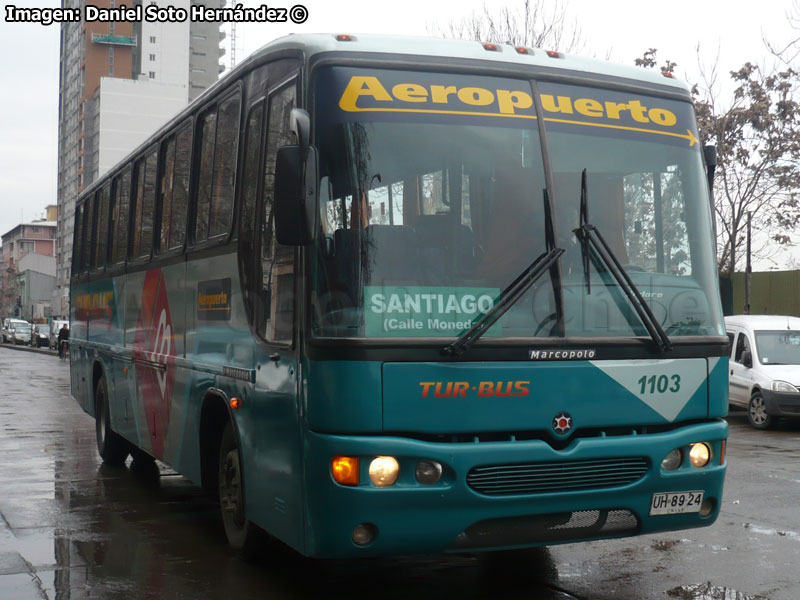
230, 496
758, 410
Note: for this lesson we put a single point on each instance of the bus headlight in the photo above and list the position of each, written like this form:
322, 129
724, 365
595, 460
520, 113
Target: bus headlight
383, 470
700, 454
672, 460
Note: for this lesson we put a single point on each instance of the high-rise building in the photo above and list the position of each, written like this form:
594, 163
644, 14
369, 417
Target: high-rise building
119, 82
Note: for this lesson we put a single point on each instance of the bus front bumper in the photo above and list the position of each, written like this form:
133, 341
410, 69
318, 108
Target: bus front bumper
451, 515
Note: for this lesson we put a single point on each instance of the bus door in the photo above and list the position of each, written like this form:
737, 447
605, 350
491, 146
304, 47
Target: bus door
268, 285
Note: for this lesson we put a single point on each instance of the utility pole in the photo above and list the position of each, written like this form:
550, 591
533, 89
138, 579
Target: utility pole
748, 272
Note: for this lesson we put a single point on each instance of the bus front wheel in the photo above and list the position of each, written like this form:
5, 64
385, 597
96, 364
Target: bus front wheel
111, 447
240, 532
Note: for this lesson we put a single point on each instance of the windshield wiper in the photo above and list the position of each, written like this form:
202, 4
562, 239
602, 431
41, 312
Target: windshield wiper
546, 261
594, 247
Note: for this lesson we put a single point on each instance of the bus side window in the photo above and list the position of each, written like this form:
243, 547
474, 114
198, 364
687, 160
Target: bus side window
137, 207
119, 219
145, 201
249, 198
76, 235
275, 320
101, 243
87, 238
165, 192
148, 210
180, 188
208, 131
113, 218
219, 140
219, 221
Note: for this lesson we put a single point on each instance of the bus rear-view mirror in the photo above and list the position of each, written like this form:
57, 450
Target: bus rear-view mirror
295, 195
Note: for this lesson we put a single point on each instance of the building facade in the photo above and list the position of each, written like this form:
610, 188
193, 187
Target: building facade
119, 81
28, 246
36, 280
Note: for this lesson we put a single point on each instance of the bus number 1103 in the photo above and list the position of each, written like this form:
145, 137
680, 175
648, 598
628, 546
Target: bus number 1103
660, 384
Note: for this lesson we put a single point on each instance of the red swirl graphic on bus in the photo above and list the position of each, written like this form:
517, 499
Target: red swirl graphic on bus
153, 343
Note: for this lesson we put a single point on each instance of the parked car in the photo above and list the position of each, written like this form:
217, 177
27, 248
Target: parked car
21, 333
41, 336
8, 325
765, 367
55, 327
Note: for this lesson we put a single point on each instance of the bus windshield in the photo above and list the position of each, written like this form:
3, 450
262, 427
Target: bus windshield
432, 199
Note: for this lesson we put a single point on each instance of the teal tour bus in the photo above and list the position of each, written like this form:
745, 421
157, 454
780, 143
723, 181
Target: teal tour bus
385, 296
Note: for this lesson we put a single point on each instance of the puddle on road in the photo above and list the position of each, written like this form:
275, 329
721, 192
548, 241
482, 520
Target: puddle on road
768, 531
707, 591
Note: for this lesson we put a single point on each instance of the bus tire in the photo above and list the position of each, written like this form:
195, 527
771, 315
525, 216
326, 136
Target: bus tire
242, 535
111, 447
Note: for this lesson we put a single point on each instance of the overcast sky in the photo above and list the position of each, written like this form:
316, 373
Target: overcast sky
731, 30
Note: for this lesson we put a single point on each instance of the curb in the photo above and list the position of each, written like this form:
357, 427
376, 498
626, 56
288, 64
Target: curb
29, 349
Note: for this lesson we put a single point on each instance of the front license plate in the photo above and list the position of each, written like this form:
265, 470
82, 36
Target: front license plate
672, 503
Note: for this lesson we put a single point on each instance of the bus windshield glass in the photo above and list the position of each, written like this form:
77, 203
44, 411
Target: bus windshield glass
647, 197
432, 197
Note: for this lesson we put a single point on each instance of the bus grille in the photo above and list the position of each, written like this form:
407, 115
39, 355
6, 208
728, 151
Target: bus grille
543, 477
548, 528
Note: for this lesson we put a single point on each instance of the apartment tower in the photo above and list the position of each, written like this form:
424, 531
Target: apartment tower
119, 82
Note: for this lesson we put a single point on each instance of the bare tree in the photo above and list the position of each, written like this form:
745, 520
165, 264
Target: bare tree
757, 135
787, 52
8, 299
533, 23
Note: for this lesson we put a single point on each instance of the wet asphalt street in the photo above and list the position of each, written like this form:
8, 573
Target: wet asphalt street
71, 528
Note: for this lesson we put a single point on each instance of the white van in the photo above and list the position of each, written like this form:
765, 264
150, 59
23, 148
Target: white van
765, 367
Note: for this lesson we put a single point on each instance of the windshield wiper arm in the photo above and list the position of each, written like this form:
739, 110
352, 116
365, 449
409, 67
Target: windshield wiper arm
546, 261
594, 246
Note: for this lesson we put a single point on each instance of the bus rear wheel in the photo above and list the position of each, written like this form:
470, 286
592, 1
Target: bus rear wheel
111, 447
242, 535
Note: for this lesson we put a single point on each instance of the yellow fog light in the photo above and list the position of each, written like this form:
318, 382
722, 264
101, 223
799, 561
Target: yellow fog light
700, 454
383, 470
